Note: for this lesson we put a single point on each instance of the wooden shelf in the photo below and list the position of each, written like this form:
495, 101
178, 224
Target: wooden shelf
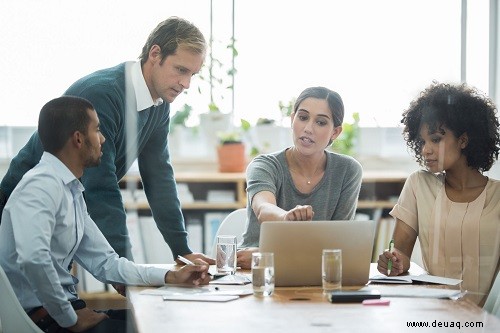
210, 177
378, 189
366, 204
384, 177
200, 183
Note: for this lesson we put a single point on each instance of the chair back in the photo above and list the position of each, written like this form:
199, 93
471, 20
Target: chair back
12, 315
492, 304
233, 224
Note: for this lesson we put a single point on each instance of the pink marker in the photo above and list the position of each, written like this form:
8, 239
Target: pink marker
376, 302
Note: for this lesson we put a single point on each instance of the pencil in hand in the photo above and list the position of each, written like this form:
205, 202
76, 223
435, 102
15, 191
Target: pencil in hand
389, 264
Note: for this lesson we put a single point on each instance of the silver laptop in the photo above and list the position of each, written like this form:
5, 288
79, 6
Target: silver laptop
298, 245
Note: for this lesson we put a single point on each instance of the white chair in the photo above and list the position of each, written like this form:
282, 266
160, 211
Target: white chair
14, 318
233, 224
492, 304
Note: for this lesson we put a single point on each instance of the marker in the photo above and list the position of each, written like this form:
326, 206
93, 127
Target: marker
389, 264
188, 262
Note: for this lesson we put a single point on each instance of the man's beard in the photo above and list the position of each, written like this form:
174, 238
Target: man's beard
91, 159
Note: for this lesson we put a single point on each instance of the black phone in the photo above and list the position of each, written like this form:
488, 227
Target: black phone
352, 296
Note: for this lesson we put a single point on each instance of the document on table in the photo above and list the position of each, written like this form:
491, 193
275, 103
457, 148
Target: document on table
200, 298
409, 279
231, 279
203, 294
413, 291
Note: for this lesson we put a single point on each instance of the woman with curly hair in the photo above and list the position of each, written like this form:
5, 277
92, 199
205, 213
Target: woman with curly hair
453, 208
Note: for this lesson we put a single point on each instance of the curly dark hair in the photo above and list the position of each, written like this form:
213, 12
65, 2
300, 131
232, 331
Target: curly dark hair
462, 109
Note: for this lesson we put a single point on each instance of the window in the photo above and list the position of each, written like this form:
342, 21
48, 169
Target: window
377, 54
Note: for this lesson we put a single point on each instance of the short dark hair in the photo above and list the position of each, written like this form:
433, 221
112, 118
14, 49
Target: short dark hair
60, 118
172, 33
462, 109
332, 98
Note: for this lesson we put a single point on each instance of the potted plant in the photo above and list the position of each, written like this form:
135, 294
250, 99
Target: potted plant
286, 109
347, 140
248, 138
180, 117
265, 121
270, 135
220, 80
231, 152
264, 133
182, 138
177, 126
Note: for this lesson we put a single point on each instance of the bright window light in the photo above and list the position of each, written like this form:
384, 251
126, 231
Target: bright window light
377, 54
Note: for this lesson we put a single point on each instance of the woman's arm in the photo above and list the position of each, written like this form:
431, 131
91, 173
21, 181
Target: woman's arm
404, 240
265, 208
244, 257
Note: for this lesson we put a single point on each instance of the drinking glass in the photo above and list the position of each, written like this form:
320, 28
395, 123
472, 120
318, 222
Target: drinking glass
331, 270
226, 254
263, 273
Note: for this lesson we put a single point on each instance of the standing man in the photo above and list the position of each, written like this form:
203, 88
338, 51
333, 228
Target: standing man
46, 226
132, 101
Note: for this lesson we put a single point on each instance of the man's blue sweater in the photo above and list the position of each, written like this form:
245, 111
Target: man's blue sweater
105, 89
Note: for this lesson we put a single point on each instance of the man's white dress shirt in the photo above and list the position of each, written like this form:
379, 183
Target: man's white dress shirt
44, 226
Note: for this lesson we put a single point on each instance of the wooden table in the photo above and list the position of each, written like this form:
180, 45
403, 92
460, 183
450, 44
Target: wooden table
306, 310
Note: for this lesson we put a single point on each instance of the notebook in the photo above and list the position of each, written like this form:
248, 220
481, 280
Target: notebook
298, 245
409, 279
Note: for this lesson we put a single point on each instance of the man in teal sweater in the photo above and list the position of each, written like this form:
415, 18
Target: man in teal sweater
132, 101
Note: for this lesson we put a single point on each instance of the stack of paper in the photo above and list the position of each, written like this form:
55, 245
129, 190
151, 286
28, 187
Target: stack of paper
408, 279
414, 291
185, 195
194, 228
212, 222
226, 196
231, 279
202, 294
155, 250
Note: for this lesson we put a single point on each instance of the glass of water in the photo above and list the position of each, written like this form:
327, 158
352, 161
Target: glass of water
263, 273
226, 254
331, 270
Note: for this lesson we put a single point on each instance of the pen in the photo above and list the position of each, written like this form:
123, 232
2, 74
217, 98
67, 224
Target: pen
188, 262
389, 264
185, 260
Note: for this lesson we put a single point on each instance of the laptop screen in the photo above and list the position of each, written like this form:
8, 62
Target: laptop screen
298, 245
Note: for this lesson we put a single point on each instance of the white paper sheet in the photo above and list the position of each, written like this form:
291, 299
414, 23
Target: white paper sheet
205, 291
414, 291
408, 279
200, 298
235, 279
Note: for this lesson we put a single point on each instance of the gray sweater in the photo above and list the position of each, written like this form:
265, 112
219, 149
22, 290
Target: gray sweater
334, 197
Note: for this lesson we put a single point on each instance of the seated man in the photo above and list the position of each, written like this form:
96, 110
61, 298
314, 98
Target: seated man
45, 225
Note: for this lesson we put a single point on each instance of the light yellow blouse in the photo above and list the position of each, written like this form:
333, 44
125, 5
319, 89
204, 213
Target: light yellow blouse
458, 240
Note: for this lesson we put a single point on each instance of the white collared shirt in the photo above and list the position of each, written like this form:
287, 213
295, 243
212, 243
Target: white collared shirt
142, 94
45, 225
